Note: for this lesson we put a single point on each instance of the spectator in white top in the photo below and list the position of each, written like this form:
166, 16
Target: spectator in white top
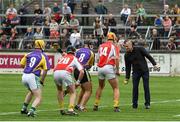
47, 11
38, 34
66, 11
75, 38
11, 11
125, 12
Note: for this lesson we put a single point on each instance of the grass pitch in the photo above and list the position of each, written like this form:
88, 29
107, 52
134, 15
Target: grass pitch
165, 98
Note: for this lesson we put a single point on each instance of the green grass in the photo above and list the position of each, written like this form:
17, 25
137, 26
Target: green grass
164, 95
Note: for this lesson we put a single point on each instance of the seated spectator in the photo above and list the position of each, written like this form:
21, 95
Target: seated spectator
64, 39
167, 23
15, 21
176, 11
98, 30
125, 12
28, 38
12, 43
74, 23
37, 9
10, 12
158, 21
66, 11
4, 42
141, 13
38, 34
54, 27
75, 38
64, 25
111, 22
85, 5
155, 40
47, 12
166, 10
46, 29
56, 13
133, 34
171, 44
38, 20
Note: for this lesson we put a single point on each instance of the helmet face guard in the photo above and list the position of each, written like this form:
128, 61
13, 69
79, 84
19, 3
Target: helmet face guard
39, 44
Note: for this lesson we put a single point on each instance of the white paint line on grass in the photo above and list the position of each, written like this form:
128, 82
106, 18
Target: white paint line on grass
156, 102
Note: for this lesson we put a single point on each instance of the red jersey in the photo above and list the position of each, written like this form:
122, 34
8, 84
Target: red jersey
107, 54
68, 63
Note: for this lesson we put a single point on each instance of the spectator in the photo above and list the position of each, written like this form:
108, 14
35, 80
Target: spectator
167, 23
38, 20
57, 12
65, 24
111, 22
37, 9
166, 10
22, 11
71, 4
46, 29
10, 12
158, 21
28, 38
155, 40
74, 23
140, 15
15, 21
176, 11
64, 42
100, 8
133, 34
75, 39
125, 12
38, 34
12, 43
66, 10
3, 42
85, 10
47, 12
54, 27
171, 44
98, 30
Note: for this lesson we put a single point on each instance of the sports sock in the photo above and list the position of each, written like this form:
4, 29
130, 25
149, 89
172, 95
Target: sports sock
71, 108
97, 101
116, 103
61, 105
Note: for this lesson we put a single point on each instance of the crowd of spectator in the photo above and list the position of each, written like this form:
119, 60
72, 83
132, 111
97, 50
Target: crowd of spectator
59, 25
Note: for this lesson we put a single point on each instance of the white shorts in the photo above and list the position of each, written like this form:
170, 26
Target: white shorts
107, 71
31, 81
62, 77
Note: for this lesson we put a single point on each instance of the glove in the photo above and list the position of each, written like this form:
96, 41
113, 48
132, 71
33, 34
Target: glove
126, 81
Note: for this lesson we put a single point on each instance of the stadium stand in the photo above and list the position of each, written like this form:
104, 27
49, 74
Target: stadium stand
144, 21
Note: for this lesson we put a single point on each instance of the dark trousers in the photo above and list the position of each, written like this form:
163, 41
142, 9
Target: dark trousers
136, 78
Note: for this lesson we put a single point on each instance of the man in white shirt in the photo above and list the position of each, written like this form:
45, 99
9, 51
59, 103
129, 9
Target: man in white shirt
125, 12
75, 38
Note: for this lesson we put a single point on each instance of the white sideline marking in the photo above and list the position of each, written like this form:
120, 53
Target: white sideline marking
156, 102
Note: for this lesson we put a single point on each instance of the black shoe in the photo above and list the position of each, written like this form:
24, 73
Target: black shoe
147, 106
76, 107
24, 111
134, 106
31, 113
62, 112
116, 109
71, 113
95, 108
